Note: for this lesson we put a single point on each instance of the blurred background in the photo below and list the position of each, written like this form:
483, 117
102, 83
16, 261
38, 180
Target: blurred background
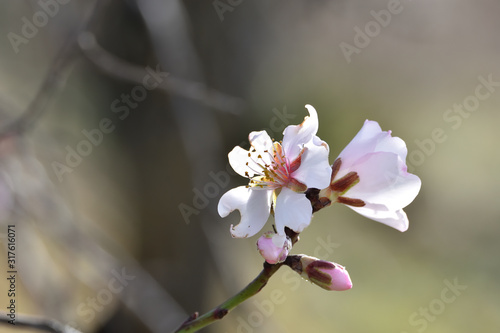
116, 118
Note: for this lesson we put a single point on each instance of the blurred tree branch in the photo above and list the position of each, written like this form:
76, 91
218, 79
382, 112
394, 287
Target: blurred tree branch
121, 69
147, 290
39, 323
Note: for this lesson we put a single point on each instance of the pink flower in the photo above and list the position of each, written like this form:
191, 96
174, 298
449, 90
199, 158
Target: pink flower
370, 176
325, 274
273, 247
279, 173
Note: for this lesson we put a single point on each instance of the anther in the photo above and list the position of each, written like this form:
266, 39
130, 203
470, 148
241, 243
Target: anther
351, 202
343, 184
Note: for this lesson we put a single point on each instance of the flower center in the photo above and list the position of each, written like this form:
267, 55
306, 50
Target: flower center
271, 169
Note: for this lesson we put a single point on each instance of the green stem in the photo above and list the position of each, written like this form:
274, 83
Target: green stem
194, 323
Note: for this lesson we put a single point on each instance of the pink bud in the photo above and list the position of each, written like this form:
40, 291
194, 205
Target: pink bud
327, 275
273, 247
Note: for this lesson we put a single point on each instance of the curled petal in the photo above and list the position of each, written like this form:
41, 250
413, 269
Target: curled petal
372, 139
296, 136
396, 219
254, 207
293, 210
384, 180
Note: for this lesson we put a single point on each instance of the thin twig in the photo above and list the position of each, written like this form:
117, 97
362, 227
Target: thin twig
198, 322
39, 323
121, 69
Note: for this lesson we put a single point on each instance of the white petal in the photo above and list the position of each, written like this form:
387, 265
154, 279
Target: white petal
260, 140
296, 136
383, 180
396, 219
238, 159
292, 210
371, 139
279, 240
315, 170
254, 207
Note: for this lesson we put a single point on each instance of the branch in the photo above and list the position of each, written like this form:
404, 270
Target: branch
39, 323
121, 69
194, 323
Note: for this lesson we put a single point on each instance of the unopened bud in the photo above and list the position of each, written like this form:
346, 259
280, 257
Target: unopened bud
273, 247
327, 275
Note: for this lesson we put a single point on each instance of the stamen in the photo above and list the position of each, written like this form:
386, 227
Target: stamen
335, 168
351, 202
343, 184
270, 175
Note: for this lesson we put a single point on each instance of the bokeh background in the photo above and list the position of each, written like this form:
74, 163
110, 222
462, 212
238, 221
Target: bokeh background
102, 243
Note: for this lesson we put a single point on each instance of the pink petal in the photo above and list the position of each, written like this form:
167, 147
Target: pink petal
254, 207
383, 180
292, 210
371, 139
396, 219
340, 278
274, 248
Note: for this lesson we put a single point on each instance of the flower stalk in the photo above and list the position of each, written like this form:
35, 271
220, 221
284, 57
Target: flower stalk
196, 322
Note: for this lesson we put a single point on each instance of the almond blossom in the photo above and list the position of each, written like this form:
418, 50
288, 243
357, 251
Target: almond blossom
279, 173
370, 176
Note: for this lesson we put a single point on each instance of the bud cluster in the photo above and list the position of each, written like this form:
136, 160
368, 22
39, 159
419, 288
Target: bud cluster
274, 248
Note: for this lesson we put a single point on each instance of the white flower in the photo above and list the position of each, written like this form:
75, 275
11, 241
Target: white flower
279, 175
370, 176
